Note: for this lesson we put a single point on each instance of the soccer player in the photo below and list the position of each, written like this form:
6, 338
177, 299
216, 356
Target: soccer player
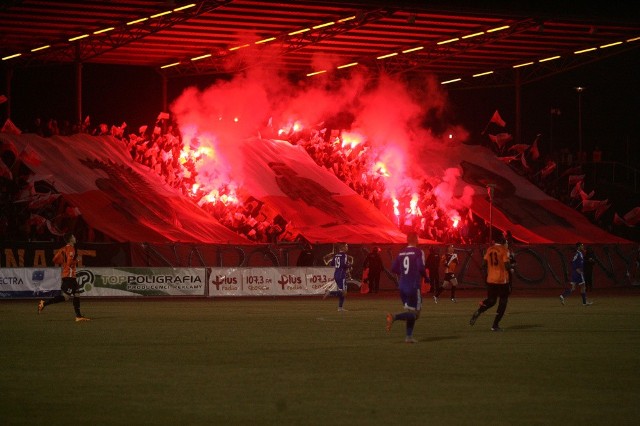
577, 276
409, 265
67, 257
450, 260
498, 264
341, 265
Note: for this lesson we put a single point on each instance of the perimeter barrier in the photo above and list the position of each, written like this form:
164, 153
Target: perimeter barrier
130, 269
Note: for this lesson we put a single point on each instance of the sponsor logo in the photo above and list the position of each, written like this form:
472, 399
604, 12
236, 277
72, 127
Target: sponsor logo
11, 281
258, 283
117, 280
227, 283
290, 282
37, 275
86, 280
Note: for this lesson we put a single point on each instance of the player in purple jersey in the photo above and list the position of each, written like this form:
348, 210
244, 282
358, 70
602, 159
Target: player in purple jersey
341, 265
577, 276
409, 266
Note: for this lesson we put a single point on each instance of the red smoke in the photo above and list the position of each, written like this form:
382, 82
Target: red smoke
386, 112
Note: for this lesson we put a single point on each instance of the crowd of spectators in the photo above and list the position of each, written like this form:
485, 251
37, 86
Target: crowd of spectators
32, 210
414, 207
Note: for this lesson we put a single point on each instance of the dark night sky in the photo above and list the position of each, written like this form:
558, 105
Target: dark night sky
610, 107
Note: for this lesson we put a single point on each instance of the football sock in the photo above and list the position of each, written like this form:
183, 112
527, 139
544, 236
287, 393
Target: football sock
59, 298
340, 300
584, 298
502, 307
566, 293
76, 306
405, 316
410, 324
453, 292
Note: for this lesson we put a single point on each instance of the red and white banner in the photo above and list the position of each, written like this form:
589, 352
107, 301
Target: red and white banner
117, 196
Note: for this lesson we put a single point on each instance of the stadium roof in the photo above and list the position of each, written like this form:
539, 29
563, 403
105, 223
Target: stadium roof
479, 45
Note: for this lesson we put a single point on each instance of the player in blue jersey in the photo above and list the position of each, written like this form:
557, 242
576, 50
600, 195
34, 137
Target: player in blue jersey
577, 276
409, 266
341, 265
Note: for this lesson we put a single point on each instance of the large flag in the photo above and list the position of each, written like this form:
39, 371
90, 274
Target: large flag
617, 220
30, 157
548, 169
519, 148
501, 139
632, 217
601, 209
534, 152
585, 196
495, 118
118, 197
9, 127
323, 208
577, 189
593, 205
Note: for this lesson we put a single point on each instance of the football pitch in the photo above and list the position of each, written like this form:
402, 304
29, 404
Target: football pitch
299, 361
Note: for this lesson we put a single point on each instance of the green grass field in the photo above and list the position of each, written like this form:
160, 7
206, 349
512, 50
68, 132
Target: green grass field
299, 361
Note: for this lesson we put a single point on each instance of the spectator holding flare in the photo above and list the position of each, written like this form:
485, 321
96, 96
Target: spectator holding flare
498, 264
67, 257
409, 265
341, 265
577, 276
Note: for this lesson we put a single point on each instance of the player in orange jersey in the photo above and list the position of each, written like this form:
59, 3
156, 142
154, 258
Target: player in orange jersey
498, 264
67, 257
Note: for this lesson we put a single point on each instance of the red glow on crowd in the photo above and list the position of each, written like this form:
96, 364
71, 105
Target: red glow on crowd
365, 134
